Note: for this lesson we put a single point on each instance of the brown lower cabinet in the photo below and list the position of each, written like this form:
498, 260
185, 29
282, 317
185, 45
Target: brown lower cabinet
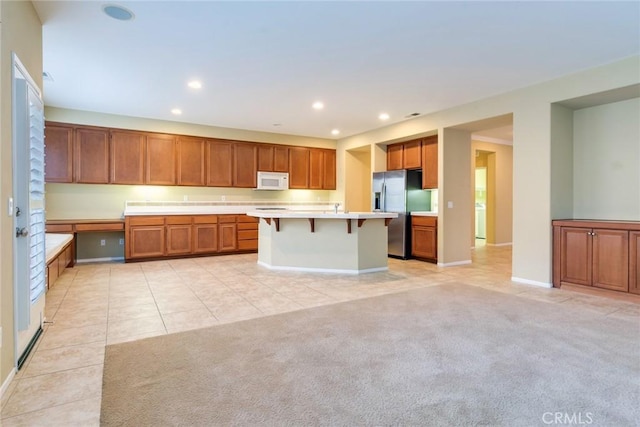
424, 237
153, 237
596, 254
57, 265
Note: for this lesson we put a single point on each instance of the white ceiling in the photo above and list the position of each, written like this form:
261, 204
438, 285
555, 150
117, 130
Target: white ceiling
264, 63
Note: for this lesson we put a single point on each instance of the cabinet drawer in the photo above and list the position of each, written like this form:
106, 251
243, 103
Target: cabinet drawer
205, 219
247, 245
146, 220
247, 226
115, 226
178, 219
224, 219
425, 221
247, 234
59, 228
248, 219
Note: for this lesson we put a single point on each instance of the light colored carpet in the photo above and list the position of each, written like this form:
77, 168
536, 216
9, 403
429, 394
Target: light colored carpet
444, 355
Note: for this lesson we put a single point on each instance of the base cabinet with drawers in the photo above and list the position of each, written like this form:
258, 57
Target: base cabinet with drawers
157, 236
424, 237
597, 254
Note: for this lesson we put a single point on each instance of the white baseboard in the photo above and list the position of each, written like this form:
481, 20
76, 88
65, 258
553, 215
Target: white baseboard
453, 264
531, 282
500, 244
321, 270
5, 384
107, 259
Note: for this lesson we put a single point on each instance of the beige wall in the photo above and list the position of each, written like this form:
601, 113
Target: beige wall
21, 32
606, 155
358, 183
532, 154
561, 162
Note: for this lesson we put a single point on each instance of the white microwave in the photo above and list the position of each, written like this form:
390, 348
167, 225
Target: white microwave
273, 181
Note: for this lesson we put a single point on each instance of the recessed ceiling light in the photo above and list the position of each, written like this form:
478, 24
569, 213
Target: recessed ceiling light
176, 111
335, 132
118, 12
383, 116
318, 105
195, 84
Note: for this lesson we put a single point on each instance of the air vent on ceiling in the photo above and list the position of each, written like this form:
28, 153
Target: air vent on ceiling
411, 115
47, 77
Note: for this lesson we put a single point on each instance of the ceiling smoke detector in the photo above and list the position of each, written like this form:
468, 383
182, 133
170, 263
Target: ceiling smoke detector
47, 77
117, 12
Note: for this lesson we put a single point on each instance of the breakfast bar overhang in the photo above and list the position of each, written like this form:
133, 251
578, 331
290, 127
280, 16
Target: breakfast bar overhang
354, 242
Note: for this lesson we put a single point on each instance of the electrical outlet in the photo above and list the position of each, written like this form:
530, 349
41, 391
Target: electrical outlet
121, 242
223, 198
103, 242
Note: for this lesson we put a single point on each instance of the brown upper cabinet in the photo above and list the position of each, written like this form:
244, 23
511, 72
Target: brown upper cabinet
394, 157
430, 162
91, 152
412, 154
273, 158
322, 169
191, 152
245, 164
88, 154
219, 163
404, 155
127, 157
59, 148
160, 160
299, 167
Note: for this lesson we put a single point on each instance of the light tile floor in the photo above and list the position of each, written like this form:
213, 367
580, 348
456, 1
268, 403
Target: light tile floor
92, 306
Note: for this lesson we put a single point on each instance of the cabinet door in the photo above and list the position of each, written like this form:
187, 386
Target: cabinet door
91, 156
228, 239
58, 153
412, 155
424, 242
245, 165
219, 163
575, 256
205, 238
178, 239
430, 163
160, 162
611, 259
298, 167
280, 158
634, 262
394, 157
127, 157
316, 169
191, 153
265, 157
329, 167
146, 241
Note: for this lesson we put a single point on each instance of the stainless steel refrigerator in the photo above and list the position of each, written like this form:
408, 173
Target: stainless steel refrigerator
401, 192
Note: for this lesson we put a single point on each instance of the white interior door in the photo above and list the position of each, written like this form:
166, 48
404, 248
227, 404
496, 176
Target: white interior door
29, 254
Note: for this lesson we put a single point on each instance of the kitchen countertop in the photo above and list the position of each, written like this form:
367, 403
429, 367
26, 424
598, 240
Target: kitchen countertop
320, 214
424, 213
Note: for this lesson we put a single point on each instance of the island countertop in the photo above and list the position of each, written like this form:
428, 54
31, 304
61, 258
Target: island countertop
320, 214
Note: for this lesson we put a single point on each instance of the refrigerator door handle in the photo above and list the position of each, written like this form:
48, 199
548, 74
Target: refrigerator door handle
384, 197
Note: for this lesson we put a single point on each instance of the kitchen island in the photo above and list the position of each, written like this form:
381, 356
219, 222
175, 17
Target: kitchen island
323, 241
